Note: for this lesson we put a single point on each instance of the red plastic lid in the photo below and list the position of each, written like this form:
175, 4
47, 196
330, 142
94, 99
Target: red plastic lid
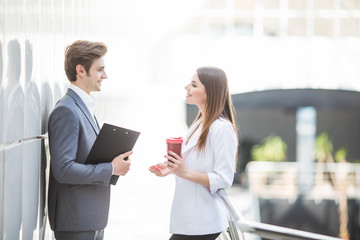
174, 140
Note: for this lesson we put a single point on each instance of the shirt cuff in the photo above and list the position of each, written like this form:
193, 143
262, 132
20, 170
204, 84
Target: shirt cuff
212, 182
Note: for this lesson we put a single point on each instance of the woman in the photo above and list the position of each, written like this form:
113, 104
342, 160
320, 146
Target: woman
208, 160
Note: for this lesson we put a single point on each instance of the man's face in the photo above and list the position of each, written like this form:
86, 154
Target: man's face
96, 74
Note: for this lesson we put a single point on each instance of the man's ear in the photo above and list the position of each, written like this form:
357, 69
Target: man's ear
80, 70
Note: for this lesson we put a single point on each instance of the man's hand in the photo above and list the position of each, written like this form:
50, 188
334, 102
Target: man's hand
120, 165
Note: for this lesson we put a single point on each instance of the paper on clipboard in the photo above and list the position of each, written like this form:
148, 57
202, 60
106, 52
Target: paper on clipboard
111, 142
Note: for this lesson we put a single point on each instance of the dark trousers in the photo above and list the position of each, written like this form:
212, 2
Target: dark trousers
194, 237
88, 235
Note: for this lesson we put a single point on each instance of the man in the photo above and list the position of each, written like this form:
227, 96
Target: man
79, 193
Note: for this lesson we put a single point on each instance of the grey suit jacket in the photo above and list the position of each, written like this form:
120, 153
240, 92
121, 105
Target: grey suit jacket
79, 194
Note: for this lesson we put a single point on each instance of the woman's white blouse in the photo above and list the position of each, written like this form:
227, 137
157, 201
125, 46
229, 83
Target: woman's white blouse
196, 209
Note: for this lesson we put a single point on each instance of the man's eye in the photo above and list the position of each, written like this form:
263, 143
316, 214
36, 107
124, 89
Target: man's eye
193, 85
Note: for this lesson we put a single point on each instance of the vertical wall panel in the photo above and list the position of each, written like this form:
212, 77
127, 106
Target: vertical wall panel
31, 97
30, 187
1, 70
32, 124
13, 95
31, 94
69, 22
32, 80
13, 118
12, 191
59, 75
1, 189
1, 113
46, 56
44, 228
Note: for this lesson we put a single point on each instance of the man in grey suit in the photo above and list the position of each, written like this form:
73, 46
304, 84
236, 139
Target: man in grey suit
79, 193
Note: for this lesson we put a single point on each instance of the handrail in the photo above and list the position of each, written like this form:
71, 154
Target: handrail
279, 233
268, 231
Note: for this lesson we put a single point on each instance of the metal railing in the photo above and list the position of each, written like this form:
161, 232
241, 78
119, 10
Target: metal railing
238, 226
278, 233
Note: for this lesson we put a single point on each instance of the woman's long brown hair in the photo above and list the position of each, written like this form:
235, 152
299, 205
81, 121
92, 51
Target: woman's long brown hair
218, 101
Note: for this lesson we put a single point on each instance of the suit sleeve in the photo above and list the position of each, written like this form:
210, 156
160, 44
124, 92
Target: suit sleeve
224, 145
64, 133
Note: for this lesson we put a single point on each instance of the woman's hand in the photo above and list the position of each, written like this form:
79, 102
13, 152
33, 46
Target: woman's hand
176, 164
160, 170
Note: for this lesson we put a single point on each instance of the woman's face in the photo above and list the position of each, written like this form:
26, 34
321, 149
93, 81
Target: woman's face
196, 93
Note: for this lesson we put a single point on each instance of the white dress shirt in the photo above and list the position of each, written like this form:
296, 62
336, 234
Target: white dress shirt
196, 209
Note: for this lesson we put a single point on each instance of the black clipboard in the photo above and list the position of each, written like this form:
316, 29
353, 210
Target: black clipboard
111, 142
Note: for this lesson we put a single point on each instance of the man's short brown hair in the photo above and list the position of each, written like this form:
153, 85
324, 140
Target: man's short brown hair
84, 53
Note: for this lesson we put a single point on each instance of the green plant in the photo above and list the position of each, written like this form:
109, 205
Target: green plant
323, 147
340, 155
272, 148
324, 150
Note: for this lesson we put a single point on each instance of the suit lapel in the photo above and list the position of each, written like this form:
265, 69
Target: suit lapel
83, 108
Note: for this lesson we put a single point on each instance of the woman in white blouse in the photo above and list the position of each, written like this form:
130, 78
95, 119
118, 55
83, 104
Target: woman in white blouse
207, 162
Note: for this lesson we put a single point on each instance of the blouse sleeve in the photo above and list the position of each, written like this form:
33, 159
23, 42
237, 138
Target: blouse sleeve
224, 145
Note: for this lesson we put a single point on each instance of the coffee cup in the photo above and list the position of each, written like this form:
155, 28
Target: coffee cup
174, 144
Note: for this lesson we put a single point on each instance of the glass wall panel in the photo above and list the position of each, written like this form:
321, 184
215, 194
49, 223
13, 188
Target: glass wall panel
297, 4
59, 74
244, 26
13, 120
350, 4
1, 113
1, 70
323, 4
297, 27
1, 189
271, 4
215, 4
32, 43
47, 54
32, 105
323, 27
349, 27
12, 191
14, 94
271, 26
30, 188
32, 122
244, 4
